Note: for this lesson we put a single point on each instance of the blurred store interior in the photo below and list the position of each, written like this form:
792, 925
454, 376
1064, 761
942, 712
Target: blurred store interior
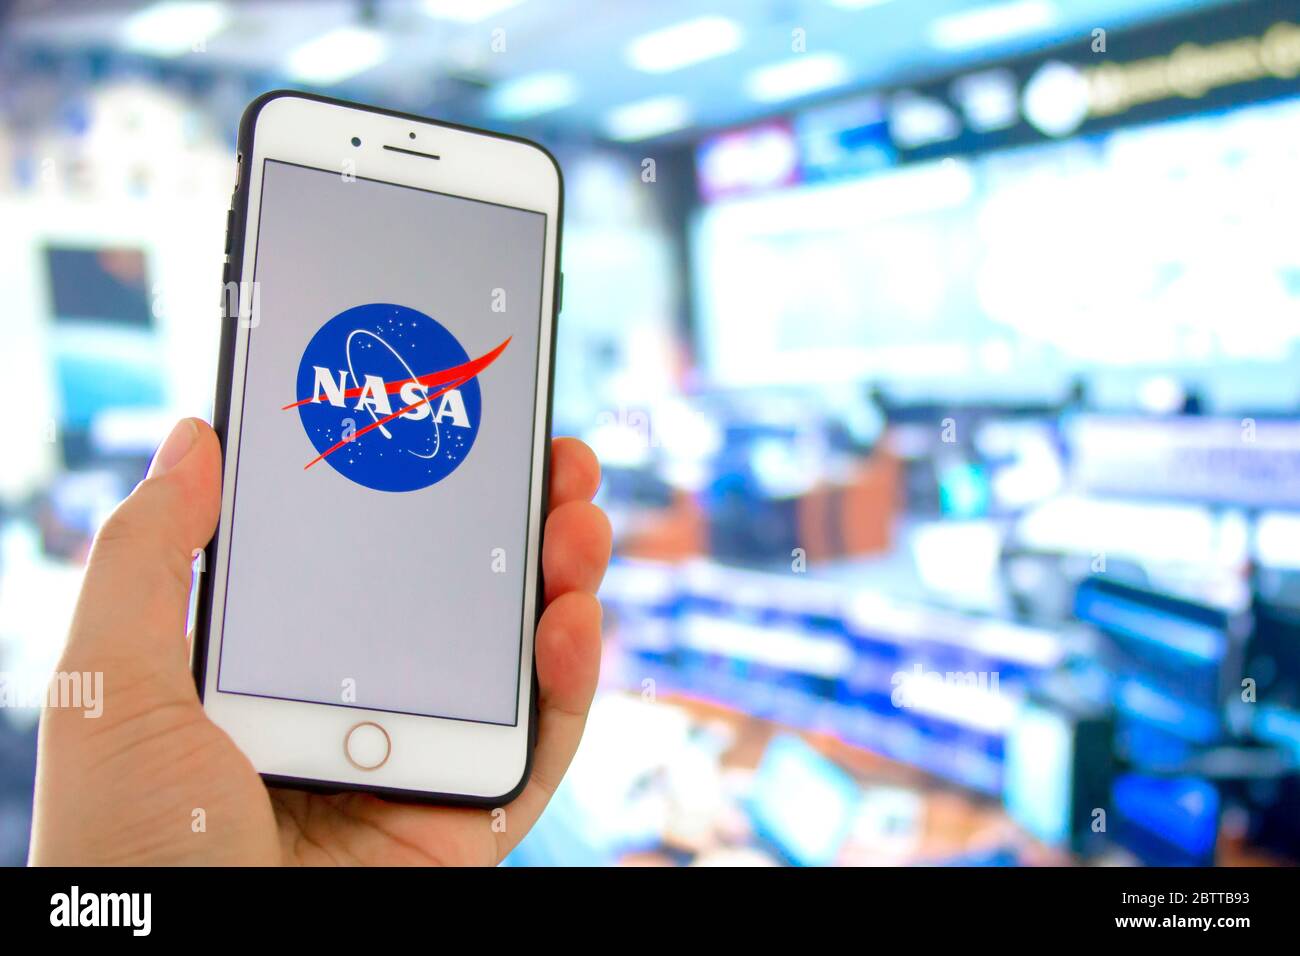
943, 357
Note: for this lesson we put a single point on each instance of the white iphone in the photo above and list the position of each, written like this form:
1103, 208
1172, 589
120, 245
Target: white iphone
367, 610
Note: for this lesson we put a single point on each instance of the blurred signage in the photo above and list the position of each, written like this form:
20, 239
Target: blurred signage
988, 99
1191, 63
747, 160
1228, 461
916, 120
1201, 61
846, 138
1192, 70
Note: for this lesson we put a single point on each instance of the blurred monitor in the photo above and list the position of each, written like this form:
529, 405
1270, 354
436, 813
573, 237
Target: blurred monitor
104, 284
1173, 661
1056, 772
1275, 720
107, 359
1166, 821
802, 803
1274, 823
81, 501
1155, 250
752, 495
95, 374
1039, 774
769, 644
1272, 656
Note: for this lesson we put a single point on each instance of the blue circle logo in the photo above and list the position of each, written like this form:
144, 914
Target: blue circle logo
389, 398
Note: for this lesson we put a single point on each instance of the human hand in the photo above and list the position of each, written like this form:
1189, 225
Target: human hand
123, 788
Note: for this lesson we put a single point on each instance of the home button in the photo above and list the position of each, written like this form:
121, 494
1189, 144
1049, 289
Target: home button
367, 745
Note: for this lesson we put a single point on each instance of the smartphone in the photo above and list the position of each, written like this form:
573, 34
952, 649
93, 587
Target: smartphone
366, 614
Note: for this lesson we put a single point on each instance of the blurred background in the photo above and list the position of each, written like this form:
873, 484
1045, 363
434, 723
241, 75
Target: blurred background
943, 358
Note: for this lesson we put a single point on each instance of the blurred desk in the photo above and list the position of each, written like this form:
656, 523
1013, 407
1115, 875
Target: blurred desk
954, 827
953, 824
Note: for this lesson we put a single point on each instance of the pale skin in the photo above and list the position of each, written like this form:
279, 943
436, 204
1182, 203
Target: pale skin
128, 787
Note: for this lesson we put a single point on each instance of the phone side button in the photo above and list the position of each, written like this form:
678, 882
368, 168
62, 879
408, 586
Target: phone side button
225, 286
367, 745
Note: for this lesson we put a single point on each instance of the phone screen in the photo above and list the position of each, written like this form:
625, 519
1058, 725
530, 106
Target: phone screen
377, 542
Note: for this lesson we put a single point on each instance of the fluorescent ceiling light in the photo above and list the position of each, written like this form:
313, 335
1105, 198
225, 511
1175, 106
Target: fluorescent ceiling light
532, 95
797, 77
173, 28
683, 44
337, 55
857, 4
962, 31
467, 11
646, 118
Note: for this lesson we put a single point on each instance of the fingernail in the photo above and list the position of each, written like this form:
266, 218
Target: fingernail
174, 448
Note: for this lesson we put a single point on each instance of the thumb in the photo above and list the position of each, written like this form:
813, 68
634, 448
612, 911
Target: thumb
134, 601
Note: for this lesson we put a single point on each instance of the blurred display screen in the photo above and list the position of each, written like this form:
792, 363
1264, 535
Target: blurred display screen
1169, 657
1161, 249
844, 138
749, 159
1183, 632
103, 372
803, 803
99, 285
1167, 822
106, 355
1038, 773
1226, 460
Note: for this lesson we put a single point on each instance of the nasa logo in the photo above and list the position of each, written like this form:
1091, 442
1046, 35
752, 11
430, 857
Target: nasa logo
389, 398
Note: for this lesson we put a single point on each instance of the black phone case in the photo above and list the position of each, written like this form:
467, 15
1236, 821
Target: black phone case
235, 230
